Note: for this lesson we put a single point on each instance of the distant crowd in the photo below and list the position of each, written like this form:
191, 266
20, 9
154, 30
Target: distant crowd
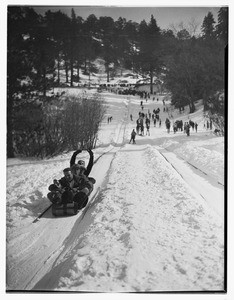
143, 122
178, 125
145, 119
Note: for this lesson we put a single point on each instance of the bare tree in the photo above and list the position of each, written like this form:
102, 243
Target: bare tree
191, 27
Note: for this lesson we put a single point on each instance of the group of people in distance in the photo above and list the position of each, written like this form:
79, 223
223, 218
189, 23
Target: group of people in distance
75, 185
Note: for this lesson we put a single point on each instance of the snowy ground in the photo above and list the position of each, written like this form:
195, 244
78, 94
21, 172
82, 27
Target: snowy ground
156, 222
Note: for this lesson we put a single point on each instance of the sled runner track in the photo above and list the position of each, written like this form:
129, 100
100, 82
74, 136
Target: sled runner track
195, 167
176, 170
202, 172
115, 143
95, 161
123, 125
171, 164
90, 202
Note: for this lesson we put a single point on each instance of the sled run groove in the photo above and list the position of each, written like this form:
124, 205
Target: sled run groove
201, 186
118, 139
28, 260
57, 252
220, 183
84, 218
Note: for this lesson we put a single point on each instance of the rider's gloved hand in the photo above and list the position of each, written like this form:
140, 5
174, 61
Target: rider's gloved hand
56, 183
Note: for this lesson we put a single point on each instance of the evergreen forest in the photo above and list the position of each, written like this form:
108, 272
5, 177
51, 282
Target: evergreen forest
39, 48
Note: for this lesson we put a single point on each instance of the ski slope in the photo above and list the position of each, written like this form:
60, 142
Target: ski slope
154, 222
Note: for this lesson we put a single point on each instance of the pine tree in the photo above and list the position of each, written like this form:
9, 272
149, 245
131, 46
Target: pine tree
222, 26
91, 47
106, 34
150, 48
20, 64
58, 24
207, 28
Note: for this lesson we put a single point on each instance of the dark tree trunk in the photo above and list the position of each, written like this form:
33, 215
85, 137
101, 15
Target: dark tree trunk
78, 72
108, 72
191, 106
89, 74
71, 61
205, 101
10, 148
58, 71
66, 71
151, 81
44, 82
85, 66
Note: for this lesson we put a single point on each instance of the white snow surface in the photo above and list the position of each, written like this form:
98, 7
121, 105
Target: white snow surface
154, 222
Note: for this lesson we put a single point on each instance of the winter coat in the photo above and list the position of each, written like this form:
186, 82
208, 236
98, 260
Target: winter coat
78, 182
90, 164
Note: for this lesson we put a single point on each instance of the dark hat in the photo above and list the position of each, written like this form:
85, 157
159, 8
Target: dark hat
81, 162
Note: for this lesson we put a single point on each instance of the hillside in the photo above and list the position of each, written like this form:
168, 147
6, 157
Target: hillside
94, 79
154, 222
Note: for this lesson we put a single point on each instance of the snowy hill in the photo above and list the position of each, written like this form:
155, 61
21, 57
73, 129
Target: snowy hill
100, 77
154, 222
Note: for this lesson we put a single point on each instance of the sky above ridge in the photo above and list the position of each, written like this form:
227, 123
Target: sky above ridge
165, 16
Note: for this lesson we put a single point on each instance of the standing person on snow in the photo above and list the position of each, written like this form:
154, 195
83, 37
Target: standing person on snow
175, 127
138, 125
147, 123
147, 128
168, 125
71, 188
133, 136
187, 129
82, 162
211, 124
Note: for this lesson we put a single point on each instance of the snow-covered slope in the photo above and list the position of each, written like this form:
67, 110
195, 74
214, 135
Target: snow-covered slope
156, 221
